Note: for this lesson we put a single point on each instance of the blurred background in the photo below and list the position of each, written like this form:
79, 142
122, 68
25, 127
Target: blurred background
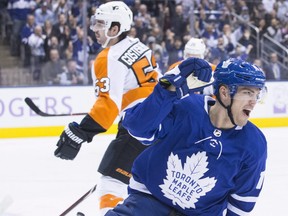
48, 42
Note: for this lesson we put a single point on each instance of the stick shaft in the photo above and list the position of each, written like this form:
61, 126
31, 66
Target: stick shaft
88, 193
36, 109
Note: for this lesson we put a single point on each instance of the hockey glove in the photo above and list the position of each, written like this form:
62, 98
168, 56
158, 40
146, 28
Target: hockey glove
70, 142
192, 74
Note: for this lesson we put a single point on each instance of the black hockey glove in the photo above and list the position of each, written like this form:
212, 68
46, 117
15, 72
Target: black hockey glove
192, 74
70, 142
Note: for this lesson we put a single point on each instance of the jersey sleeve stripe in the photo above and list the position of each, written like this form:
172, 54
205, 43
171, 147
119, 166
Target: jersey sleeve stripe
133, 184
237, 211
244, 199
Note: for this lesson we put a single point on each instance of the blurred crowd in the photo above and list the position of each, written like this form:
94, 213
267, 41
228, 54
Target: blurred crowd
47, 35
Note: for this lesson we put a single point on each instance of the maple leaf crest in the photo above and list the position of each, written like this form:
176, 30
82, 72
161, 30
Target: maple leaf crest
185, 185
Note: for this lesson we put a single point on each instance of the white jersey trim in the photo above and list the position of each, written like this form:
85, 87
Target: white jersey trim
138, 186
236, 210
244, 199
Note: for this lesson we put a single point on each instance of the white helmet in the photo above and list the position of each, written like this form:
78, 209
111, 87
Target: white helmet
195, 47
114, 11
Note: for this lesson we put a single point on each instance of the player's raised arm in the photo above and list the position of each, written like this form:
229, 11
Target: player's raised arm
144, 120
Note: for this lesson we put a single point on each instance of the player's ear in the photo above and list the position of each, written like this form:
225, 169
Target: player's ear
114, 29
224, 92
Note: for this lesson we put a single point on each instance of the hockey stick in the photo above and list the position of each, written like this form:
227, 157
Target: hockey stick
88, 193
36, 109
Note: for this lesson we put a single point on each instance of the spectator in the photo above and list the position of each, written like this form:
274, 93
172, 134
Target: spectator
245, 14
258, 13
285, 41
65, 40
153, 45
241, 52
248, 44
262, 27
220, 52
282, 10
43, 13
78, 52
26, 31
178, 22
5, 21
70, 76
284, 31
36, 43
274, 70
62, 31
18, 11
166, 19
141, 29
274, 30
60, 7
225, 18
268, 5
156, 31
77, 12
174, 47
200, 22
52, 43
59, 27
143, 15
48, 31
68, 52
159, 52
258, 62
211, 35
231, 37
48, 28
52, 69
133, 32
188, 8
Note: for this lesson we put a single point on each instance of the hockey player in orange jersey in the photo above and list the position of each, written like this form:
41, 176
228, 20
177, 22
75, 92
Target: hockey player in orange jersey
124, 74
196, 48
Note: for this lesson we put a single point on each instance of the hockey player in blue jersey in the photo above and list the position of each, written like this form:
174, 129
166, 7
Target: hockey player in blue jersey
205, 157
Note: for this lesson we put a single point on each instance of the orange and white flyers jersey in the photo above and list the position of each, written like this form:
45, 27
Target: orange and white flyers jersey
123, 75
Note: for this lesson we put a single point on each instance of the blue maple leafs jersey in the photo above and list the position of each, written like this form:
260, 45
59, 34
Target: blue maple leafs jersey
191, 165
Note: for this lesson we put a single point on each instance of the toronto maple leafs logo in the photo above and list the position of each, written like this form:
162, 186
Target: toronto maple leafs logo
185, 185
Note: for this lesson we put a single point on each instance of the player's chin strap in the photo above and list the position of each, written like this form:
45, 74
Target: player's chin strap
228, 108
109, 38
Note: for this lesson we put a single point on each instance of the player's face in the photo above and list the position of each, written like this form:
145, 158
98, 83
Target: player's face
244, 102
99, 29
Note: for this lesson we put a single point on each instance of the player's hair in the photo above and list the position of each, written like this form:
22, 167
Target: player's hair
123, 34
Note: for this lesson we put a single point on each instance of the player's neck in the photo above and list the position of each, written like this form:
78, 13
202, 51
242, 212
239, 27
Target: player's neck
113, 41
219, 117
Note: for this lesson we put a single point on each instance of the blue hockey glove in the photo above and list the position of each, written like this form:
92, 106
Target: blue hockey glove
70, 142
192, 74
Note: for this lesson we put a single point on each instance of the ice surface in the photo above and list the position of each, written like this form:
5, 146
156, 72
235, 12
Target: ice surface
43, 185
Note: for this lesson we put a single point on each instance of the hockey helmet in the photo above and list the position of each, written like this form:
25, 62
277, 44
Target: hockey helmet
234, 72
195, 47
114, 11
